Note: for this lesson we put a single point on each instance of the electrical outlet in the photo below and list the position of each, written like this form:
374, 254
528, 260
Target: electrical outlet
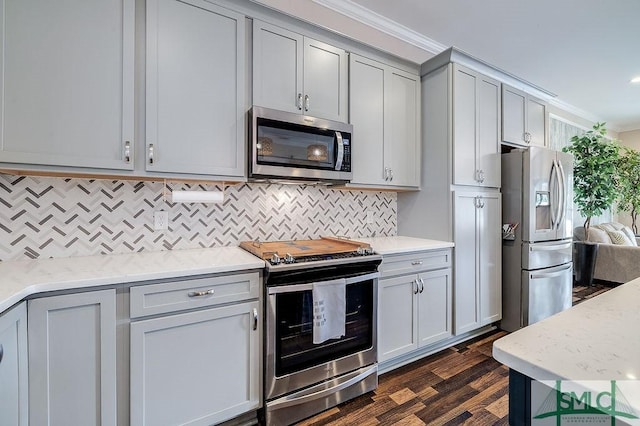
160, 220
369, 217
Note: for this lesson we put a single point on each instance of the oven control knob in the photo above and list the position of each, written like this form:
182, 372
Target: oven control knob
368, 251
289, 259
360, 251
275, 259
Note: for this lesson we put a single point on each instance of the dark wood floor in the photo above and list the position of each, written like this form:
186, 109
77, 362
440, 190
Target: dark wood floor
459, 385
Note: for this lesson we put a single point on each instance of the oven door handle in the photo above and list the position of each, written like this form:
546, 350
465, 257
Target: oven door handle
295, 399
309, 286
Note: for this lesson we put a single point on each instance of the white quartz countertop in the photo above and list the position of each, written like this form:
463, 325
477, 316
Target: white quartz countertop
399, 244
22, 278
598, 339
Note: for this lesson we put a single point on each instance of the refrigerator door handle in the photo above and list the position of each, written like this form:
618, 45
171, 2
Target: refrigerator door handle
562, 207
553, 178
538, 275
554, 247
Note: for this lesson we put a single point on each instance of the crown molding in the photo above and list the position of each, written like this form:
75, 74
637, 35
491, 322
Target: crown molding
381, 23
562, 105
368, 17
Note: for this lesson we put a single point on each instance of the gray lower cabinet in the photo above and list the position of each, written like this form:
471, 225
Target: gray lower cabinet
198, 367
414, 302
72, 359
14, 396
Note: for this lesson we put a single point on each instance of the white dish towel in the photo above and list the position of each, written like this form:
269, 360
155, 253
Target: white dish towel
329, 307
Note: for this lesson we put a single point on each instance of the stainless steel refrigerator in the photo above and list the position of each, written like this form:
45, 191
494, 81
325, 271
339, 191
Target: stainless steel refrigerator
537, 217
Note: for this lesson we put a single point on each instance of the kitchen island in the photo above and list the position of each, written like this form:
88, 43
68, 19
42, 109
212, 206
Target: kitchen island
595, 341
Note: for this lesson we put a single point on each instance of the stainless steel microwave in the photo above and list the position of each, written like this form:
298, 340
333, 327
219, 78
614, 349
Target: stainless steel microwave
289, 146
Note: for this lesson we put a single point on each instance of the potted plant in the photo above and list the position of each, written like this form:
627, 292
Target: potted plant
629, 184
594, 186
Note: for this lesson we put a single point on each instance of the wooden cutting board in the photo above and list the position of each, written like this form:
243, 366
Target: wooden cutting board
297, 248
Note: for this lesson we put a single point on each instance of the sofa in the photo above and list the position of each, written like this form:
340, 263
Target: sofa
618, 258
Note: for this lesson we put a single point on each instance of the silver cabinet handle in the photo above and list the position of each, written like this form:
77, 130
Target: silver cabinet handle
300, 101
386, 173
421, 284
417, 262
127, 152
1, 353
416, 290
255, 319
390, 173
306, 102
201, 293
481, 176
151, 153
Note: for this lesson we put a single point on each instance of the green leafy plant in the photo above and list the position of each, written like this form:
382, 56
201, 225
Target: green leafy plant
594, 172
628, 180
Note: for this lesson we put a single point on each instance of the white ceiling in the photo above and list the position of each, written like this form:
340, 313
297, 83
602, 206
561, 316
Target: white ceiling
584, 51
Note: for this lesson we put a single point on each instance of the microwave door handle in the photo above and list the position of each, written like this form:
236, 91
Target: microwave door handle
340, 153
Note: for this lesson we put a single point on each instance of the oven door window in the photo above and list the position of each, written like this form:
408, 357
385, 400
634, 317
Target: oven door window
295, 350
291, 144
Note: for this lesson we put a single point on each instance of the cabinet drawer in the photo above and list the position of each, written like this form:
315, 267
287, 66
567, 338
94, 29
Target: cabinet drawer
174, 296
415, 262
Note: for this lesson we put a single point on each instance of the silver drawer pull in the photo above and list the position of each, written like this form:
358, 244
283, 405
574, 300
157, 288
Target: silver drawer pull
416, 262
1, 352
201, 293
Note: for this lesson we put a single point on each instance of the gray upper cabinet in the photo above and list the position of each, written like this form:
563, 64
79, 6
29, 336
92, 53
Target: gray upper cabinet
67, 83
476, 128
385, 113
14, 379
72, 359
524, 118
298, 74
195, 98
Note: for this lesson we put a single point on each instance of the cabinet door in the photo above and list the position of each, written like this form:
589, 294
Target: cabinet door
465, 125
72, 359
67, 83
195, 88
325, 81
434, 306
402, 127
14, 398
537, 121
488, 153
466, 286
197, 368
397, 316
513, 115
490, 258
277, 67
366, 113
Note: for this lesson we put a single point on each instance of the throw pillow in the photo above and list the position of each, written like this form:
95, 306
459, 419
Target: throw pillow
597, 235
606, 226
619, 238
629, 233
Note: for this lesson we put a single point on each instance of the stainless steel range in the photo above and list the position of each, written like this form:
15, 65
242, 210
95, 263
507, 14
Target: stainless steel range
302, 378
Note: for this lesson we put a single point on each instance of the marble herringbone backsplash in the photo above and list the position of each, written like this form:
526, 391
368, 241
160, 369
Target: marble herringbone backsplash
55, 217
